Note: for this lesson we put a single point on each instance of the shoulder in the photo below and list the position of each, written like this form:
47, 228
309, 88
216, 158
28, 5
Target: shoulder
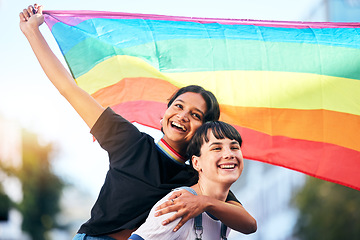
154, 229
107, 117
113, 131
189, 189
231, 197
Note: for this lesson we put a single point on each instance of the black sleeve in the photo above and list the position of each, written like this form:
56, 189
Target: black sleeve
231, 197
114, 132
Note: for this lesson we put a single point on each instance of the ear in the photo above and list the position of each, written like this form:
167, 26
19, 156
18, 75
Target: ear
196, 163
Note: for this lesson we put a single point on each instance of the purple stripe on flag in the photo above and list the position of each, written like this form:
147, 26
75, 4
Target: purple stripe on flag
73, 18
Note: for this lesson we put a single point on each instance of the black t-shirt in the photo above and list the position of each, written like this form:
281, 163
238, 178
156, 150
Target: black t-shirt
139, 175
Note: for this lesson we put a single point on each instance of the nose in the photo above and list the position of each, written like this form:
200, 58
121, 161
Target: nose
228, 153
183, 115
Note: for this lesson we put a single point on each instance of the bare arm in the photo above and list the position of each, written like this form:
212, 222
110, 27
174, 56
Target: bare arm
82, 102
187, 206
233, 215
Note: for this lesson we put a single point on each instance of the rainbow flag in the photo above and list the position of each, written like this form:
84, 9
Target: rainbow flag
292, 89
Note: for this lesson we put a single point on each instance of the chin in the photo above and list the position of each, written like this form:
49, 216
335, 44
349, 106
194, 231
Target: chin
231, 179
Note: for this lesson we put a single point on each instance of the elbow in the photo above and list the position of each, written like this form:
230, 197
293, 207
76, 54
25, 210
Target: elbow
251, 227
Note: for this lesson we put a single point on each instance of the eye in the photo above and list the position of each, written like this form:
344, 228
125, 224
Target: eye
178, 105
197, 116
216, 149
235, 147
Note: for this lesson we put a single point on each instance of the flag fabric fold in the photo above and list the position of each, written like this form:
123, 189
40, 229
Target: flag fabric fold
292, 89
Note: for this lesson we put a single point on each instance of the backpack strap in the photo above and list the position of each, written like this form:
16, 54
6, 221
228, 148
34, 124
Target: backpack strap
189, 189
198, 227
198, 221
223, 231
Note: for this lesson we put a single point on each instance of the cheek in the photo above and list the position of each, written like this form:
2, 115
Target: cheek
166, 113
195, 126
241, 166
165, 117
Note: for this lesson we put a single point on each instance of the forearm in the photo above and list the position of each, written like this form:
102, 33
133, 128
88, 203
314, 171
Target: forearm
82, 102
51, 65
232, 214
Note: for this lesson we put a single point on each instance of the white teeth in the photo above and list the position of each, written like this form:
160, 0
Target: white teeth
179, 126
227, 166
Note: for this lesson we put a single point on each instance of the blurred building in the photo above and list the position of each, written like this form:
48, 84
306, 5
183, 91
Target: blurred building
335, 11
266, 192
343, 10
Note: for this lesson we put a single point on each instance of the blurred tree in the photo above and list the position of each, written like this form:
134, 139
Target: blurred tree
327, 211
41, 188
4, 205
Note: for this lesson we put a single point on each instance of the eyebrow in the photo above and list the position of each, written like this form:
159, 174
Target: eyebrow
215, 143
179, 100
219, 143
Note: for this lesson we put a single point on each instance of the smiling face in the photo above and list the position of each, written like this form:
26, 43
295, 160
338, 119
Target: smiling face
220, 161
183, 117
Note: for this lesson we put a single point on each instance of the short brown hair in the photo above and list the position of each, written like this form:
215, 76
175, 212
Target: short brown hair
220, 130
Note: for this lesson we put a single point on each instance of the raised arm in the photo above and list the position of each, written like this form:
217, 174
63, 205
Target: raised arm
187, 206
86, 106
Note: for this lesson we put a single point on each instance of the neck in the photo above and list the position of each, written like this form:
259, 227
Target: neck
170, 151
180, 149
214, 190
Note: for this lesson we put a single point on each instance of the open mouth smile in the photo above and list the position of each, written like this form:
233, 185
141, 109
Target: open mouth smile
178, 126
227, 166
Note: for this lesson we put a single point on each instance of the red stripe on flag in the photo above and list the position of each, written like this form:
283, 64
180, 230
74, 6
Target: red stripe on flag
150, 113
304, 156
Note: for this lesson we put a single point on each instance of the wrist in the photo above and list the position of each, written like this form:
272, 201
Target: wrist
208, 203
30, 31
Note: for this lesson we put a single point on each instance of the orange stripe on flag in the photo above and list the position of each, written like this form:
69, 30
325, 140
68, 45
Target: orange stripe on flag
132, 89
313, 125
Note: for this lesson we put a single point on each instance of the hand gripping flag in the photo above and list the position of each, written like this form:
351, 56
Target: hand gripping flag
292, 89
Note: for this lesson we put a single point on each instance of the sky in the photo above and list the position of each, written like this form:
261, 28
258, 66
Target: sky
28, 98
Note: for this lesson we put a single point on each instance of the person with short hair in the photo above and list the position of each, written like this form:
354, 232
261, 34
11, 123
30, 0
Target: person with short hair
216, 156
